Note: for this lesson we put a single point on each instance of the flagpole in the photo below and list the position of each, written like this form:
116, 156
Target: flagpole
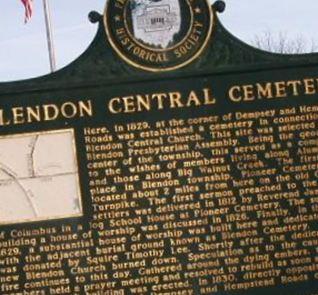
49, 35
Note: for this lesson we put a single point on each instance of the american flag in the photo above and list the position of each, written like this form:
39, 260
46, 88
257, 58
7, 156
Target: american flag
28, 4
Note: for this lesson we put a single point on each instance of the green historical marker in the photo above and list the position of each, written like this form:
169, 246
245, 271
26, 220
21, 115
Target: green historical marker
170, 158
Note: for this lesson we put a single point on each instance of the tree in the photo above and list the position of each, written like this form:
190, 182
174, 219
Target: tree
281, 43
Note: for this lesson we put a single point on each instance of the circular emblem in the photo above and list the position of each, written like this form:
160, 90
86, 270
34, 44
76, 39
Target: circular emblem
158, 35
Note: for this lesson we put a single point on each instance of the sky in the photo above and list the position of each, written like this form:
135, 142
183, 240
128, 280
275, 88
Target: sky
23, 47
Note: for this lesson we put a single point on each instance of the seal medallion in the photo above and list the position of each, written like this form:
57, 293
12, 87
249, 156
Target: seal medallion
158, 35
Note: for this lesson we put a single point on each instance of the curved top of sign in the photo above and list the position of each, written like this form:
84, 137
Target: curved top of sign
140, 40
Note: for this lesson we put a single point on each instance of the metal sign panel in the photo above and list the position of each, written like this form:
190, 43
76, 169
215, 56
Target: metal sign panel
116, 179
